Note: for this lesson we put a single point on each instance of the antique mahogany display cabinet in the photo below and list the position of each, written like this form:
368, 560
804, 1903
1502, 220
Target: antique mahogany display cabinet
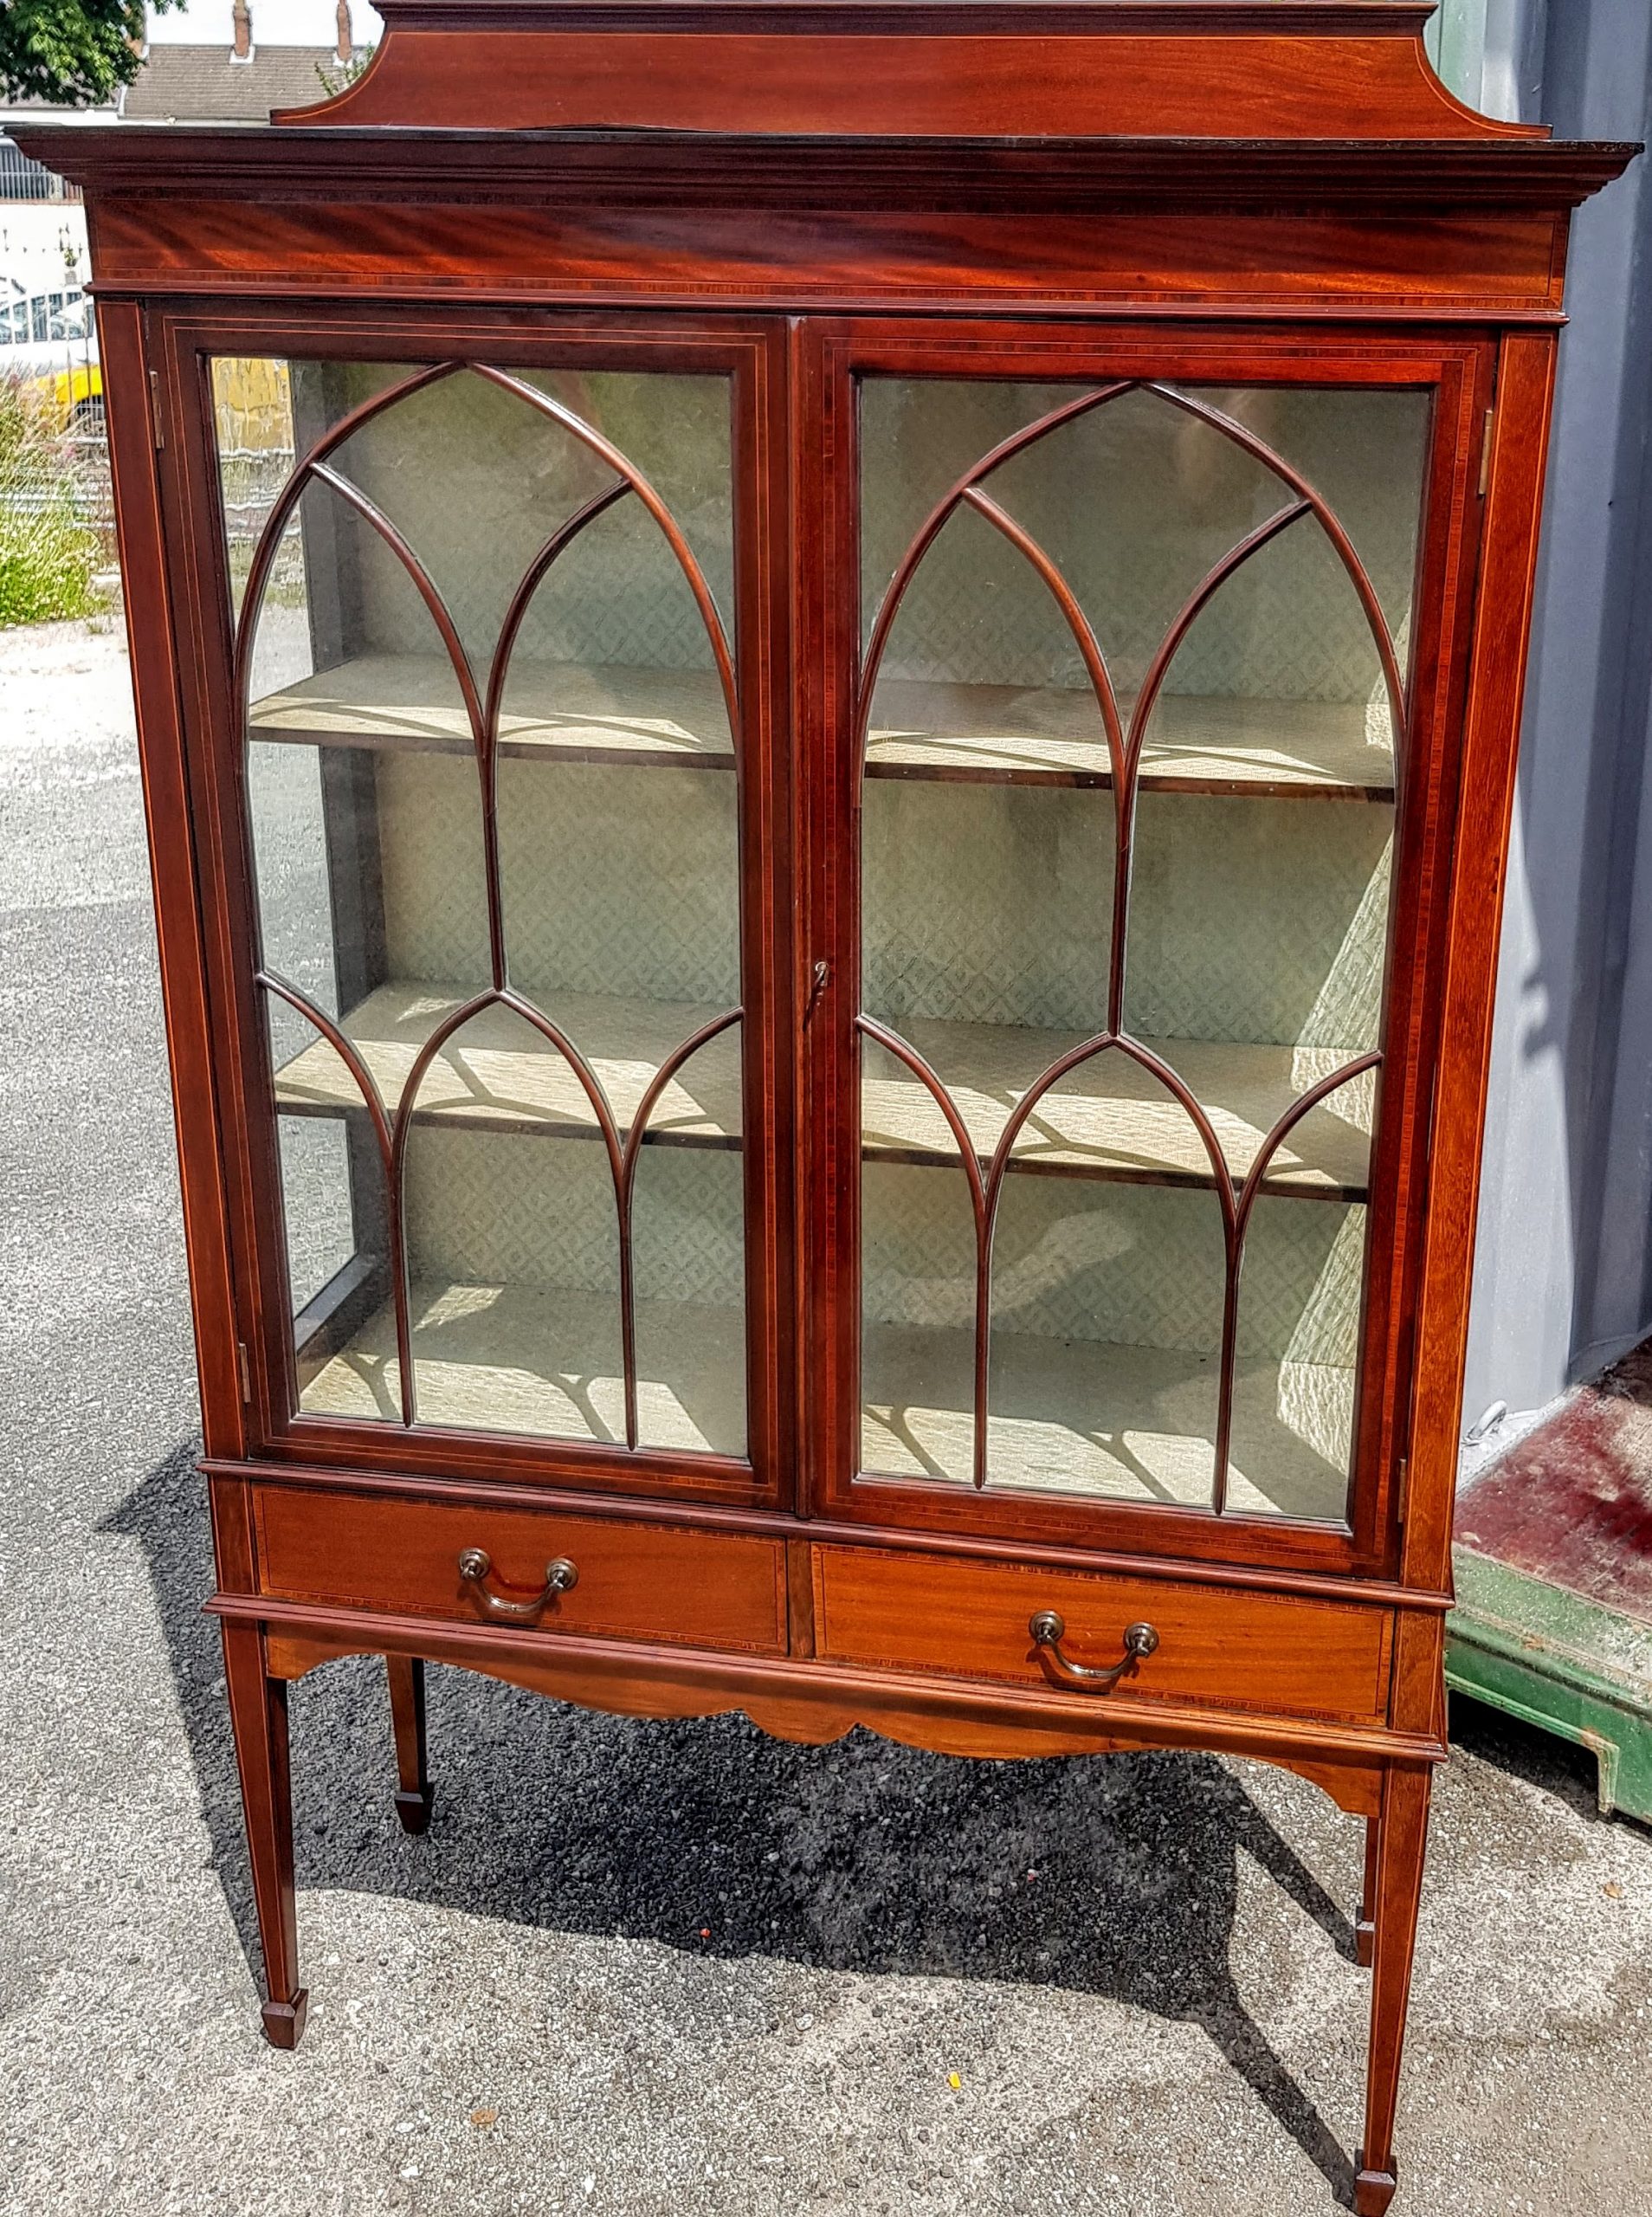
827, 701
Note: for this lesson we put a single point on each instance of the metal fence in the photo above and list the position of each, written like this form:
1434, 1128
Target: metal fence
22, 179
80, 478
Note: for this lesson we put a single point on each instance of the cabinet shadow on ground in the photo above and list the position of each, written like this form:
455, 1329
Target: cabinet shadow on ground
862, 1855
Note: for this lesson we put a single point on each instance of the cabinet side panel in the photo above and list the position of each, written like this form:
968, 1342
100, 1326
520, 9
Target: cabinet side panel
135, 438
1502, 623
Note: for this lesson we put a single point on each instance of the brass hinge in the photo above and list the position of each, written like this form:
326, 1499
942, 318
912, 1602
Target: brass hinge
156, 417
245, 1368
1486, 451
1400, 1475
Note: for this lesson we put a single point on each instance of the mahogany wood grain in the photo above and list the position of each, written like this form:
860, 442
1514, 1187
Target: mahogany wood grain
1402, 1831
715, 1517
634, 1582
258, 1713
1350, 71
846, 349
147, 598
1365, 1923
800, 1598
229, 1498
1255, 191
781, 1695
1491, 263
1368, 179
747, 354
1289, 1657
1479, 866
414, 1792
1117, 84
762, 449
1417, 1695
1446, 584
1034, 18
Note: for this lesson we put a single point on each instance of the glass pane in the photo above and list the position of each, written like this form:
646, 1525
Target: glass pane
918, 1293
688, 1221
485, 637
512, 1244
1106, 1299
335, 1211
1299, 1337
253, 408
1106, 619
315, 1187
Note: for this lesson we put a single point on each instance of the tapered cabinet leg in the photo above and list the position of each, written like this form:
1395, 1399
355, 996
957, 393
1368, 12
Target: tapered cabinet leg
1365, 1925
414, 1792
1391, 1901
258, 1713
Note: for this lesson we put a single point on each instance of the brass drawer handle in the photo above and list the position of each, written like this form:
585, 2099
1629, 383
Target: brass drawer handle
1047, 1629
475, 1564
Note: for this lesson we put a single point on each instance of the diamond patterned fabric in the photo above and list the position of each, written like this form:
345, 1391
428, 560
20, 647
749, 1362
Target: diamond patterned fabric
1251, 921
610, 882
1259, 922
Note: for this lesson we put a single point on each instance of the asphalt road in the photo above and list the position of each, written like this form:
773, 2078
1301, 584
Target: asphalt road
646, 1967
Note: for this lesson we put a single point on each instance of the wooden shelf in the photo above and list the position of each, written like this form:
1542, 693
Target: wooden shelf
1095, 1418
991, 734
498, 1074
1069, 1417
585, 714
1000, 734
521, 1359
1109, 1120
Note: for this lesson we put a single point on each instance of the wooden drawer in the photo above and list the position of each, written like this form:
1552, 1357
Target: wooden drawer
1219, 1646
636, 1580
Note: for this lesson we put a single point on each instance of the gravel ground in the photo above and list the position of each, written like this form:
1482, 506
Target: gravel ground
644, 1968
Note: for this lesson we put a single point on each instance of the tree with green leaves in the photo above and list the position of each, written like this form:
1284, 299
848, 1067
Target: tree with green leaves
77, 52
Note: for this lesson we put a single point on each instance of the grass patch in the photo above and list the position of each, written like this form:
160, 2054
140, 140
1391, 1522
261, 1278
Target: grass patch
49, 551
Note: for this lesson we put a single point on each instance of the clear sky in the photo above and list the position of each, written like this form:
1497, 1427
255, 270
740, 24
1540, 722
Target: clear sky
275, 23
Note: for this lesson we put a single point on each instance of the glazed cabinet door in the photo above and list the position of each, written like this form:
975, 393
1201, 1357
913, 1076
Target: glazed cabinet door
499, 789
1127, 774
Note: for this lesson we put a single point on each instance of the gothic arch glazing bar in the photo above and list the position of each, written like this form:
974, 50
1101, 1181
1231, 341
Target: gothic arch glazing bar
1329, 879
657, 507
596, 1030
1332, 524
929, 531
